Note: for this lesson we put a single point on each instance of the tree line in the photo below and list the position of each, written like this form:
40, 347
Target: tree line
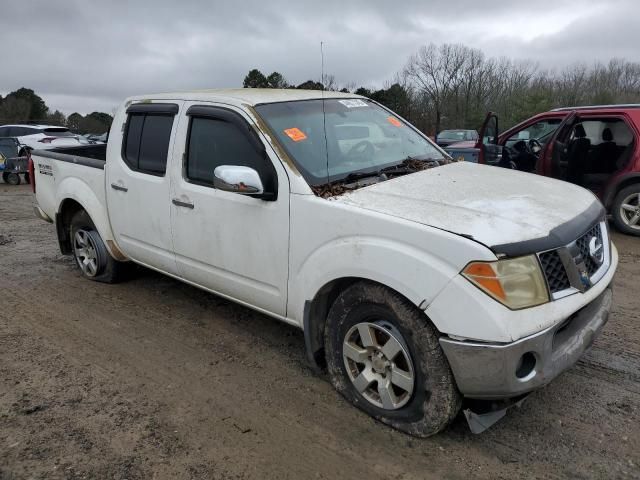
25, 106
440, 86
454, 86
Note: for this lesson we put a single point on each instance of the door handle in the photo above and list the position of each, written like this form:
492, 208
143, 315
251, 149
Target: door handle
180, 203
121, 188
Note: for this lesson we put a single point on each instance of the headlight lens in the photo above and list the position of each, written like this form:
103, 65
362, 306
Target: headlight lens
515, 282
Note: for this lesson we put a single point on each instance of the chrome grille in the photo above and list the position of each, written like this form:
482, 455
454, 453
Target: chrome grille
554, 271
583, 245
573, 268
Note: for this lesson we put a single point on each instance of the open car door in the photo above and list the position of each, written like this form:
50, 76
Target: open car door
489, 152
554, 161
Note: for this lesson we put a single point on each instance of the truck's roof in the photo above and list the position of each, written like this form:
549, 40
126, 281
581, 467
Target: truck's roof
246, 96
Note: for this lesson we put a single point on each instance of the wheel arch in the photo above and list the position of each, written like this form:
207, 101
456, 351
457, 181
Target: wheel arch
417, 274
68, 208
315, 315
623, 182
81, 198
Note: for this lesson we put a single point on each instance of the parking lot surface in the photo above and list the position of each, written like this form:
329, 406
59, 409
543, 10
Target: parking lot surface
152, 378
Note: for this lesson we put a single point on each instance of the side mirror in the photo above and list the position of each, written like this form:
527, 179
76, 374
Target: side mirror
237, 179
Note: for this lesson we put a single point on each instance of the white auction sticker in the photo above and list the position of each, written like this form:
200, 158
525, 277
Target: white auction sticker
355, 103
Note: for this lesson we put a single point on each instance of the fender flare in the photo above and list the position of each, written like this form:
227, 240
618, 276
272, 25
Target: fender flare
622, 182
416, 274
72, 188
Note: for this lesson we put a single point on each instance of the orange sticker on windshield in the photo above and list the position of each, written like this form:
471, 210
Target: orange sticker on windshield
295, 134
394, 121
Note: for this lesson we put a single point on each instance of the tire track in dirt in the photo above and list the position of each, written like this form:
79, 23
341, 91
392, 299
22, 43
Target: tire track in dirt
147, 360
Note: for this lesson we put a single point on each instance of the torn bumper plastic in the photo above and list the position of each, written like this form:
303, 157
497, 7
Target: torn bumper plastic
495, 371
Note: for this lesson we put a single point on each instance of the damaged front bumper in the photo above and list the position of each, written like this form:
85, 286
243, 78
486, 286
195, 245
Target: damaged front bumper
498, 371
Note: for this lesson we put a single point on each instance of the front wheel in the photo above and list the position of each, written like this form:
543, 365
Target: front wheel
626, 210
384, 356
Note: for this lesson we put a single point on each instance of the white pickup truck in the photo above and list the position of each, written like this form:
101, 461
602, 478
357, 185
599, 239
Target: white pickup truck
419, 282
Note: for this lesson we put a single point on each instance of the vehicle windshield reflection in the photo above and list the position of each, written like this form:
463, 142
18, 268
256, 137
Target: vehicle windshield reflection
333, 139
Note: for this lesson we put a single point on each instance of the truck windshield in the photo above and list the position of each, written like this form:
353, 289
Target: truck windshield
337, 139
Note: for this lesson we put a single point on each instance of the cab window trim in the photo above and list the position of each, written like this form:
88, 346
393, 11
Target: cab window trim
146, 110
234, 118
230, 116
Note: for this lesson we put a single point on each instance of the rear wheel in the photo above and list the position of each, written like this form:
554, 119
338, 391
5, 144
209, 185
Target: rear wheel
91, 254
383, 355
626, 210
11, 178
27, 179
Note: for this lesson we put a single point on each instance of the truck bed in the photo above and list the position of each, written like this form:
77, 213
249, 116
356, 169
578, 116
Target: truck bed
73, 173
81, 155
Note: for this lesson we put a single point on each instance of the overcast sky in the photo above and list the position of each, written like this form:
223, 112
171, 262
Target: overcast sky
86, 55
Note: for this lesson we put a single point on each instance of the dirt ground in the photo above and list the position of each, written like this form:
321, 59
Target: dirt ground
155, 379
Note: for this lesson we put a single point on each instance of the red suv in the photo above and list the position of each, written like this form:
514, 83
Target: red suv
596, 147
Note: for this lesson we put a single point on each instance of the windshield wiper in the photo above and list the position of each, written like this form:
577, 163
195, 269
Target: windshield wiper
398, 168
420, 158
402, 168
392, 169
353, 176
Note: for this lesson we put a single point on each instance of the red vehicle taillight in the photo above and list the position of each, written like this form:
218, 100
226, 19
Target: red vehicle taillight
32, 173
47, 139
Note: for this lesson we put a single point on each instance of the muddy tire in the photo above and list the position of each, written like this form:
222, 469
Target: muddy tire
383, 355
91, 254
27, 178
625, 210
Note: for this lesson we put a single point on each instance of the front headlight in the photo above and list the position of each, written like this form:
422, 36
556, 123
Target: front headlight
514, 282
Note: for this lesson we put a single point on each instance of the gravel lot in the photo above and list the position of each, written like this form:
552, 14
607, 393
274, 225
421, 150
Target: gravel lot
155, 379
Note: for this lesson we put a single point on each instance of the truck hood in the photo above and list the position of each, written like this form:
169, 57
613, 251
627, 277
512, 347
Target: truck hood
511, 212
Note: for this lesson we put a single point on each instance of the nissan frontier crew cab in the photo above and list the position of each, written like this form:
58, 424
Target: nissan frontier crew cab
418, 281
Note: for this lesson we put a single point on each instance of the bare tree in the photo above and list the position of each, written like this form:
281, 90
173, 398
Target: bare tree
329, 82
437, 72
454, 86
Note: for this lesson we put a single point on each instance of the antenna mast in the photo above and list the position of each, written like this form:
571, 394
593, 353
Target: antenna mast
324, 115
322, 64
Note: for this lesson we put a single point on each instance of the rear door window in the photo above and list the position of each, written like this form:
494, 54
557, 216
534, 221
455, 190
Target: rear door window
146, 143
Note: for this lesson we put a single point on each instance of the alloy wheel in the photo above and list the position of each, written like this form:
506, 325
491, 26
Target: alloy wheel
86, 254
630, 211
379, 365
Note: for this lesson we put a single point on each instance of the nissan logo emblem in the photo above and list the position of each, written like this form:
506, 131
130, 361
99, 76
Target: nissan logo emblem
596, 250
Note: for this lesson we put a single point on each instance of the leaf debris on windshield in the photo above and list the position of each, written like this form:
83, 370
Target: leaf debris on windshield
410, 165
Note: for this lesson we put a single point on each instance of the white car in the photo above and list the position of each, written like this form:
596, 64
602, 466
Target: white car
41, 137
418, 281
